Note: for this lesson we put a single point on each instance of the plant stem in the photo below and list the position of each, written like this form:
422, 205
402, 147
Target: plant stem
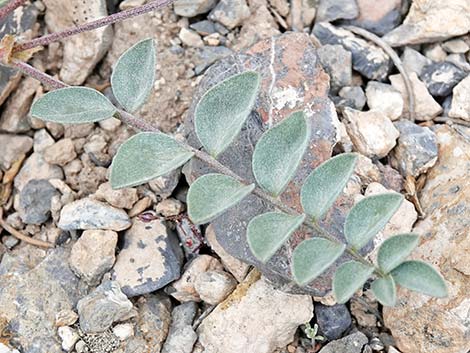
105, 21
29, 70
142, 125
10, 7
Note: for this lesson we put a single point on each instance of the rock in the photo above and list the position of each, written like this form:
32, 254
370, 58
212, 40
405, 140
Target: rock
191, 8
420, 323
13, 147
456, 46
441, 77
204, 27
183, 289
371, 132
214, 286
378, 16
68, 336
6, 349
376, 344
149, 259
230, 13
42, 140
414, 61
232, 327
101, 343
181, 336
331, 10
337, 62
416, 150
169, 207
384, 98
426, 108
190, 38
83, 51
102, 307
165, 185
332, 321
355, 95
434, 52
123, 331
362, 309
459, 60
66, 317
91, 214
35, 167
61, 153
35, 201
349, 344
121, 198
209, 55
460, 107
93, 255
426, 22
368, 59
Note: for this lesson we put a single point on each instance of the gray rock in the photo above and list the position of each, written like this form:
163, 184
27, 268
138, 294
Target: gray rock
42, 140
349, 344
460, 61
368, 59
331, 10
36, 167
91, 214
191, 8
416, 149
204, 27
460, 107
209, 55
441, 77
214, 286
13, 147
35, 201
230, 13
414, 61
149, 260
332, 321
355, 95
337, 62
102, 307
181, 336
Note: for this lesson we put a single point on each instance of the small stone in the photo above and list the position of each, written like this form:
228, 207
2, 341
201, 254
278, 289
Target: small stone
349, 344
163, 186
337, 62
204, 28
460, 61
460, 107
123, 331
355, 95
456, 46
426, 108
376, 344
333, 320
102, 307
149, 260
383, 97
91, 214
209, 55
190, 38
36, 167
66, 317
183, 289
367, 58
392, 349
60, 153
42, 140
181, 336
372, 133
169, 207
110, 124
13, 147
35, 201
93, 255
214, 286
191, 8
212, 39
414, 61
230, 13
435, 52
140, 206
331, 10
6, 349
68, 336
441, 77
416, 149
121, 198
10, 241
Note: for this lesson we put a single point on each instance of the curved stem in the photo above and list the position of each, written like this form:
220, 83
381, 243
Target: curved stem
10, 7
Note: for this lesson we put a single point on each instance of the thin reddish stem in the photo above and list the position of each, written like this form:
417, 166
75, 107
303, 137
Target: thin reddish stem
105, 21
10, 7
29, 70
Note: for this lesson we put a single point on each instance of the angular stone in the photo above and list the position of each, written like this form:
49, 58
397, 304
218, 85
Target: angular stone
13, 147
230, 13
190, 38
441, 77
416, 150
214, 286
354, 97
333, 320
121, 198
91, 214
460, 107
191, 8
331, 10
349, 344
456, 46
384, 98
149, 260
204, 27
367, 58
255, 318
61, 152
414, 61
35, 201
102, 307
424, 324
42, 140
428, 21
36, 167
93, 255
181, 336
337, 62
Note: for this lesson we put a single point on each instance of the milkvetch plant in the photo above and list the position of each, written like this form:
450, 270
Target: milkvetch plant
219, 118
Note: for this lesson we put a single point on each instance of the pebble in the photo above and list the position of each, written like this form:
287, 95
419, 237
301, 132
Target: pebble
434, 52
209, 55
13, 147
440, 78
331, 10
230, 13
6, 349
456, 46
191, 8
150, 258
383, 97
376, 344
61, 152
333, 320
337, 62
66, 317
42, 140
169, 207
163, 186
414, 61
204, 27
120, 198
68, 336
190, 38
349, 344
91, 214
181, 336
214, 286
35, 201
93, 255
123, 331
460, 61
36, 167
460, 107
355, 95
416, 149
110, 124
371, 132
102, 307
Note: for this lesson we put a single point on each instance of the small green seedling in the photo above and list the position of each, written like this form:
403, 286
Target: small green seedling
312, 333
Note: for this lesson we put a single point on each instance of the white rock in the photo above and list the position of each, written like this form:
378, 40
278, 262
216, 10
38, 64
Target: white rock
460, 107
230, 13
371, 132
121, 198
62, 152
6, 349
190, 38
384, 98
169, 207
68, 336
42, 140
214, 286
123, 331
36, 167
13, 146
456, 46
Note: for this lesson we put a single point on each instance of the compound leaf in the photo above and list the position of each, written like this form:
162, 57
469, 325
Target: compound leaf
325, 183
223, 110
73, 105
134, 75
369, 216
144, 157
212, 194
395, 250
420, 277
312, 257
385, 290
349, 277
279, 152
